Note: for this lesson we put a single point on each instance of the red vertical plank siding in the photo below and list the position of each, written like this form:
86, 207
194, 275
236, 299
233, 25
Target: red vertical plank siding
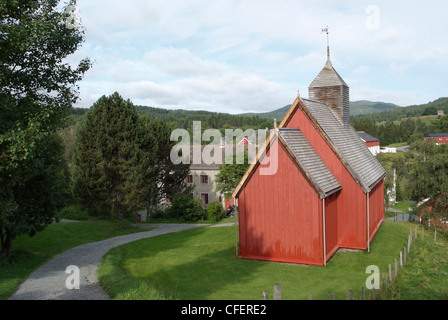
352, 204
281, 216
376, 209
331, 225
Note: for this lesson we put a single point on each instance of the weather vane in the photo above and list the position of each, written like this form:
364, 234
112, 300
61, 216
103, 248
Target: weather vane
327, 31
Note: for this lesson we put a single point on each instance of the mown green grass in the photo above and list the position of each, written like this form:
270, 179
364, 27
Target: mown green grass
201, 264
31, 252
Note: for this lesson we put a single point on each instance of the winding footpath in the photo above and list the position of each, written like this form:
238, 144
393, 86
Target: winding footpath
49, 281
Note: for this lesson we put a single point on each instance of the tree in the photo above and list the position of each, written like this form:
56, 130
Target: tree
37, 87
427, 170
435, 210
109, 161
230, 174
166, 179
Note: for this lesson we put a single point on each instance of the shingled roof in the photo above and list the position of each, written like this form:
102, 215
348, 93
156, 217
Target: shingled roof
328, 77
310, 163
367, 137
363, 166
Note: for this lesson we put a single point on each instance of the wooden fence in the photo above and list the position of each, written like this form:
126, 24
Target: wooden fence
386, 280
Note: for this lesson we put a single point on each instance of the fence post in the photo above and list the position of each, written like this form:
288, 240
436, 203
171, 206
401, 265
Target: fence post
277, 291
265, 295
390, 273
409, 243
350, 295
404, 255
435, 234
401, 259
396, 267
332, 296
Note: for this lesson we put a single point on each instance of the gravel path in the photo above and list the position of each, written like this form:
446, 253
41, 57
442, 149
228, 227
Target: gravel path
49, 281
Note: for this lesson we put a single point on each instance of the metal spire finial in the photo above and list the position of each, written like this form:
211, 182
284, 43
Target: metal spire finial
327, 31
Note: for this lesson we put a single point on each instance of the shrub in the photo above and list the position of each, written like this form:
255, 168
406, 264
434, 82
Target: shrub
215, 211
186, 208
73, 213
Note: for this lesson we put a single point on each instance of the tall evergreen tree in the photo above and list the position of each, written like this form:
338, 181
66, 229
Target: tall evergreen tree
109, 160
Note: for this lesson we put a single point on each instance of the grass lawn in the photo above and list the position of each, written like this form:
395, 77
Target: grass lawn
404, 206
425, 276
30, 253
200, 264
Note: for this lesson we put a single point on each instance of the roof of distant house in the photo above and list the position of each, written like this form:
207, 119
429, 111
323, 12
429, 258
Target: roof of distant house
367, 137
433, 135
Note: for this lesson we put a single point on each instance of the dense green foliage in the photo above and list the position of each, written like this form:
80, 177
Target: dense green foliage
215, 211
230, 174
36, 89
404, 124
113, 154
435, 211
186, 208
214, 120
427, 170
166, 179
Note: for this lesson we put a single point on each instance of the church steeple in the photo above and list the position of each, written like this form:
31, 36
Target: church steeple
330, 88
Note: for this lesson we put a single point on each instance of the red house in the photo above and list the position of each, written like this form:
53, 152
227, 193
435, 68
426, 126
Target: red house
438, 138
371, 142
327, 192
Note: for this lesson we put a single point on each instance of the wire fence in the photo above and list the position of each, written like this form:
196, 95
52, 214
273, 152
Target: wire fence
387, 280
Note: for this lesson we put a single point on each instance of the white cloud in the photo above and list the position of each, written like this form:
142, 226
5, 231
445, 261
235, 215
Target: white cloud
181, 62
249, 55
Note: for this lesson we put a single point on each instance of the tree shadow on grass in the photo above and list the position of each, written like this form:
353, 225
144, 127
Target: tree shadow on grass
197, 264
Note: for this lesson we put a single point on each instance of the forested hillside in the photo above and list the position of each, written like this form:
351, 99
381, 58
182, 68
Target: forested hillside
386, 121
404, 125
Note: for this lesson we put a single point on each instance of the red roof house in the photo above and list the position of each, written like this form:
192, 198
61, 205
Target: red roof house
371, 142
327, 192
438, 138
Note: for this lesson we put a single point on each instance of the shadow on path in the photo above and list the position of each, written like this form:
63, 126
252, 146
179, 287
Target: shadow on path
49, 281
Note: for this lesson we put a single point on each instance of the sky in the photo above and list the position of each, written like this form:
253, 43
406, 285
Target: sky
238, 56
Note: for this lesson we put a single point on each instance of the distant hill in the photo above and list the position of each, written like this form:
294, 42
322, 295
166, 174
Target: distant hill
367, 107
357, 108
376, 111
427, 109
278, 114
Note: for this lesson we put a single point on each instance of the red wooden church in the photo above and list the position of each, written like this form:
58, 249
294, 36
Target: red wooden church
328, 190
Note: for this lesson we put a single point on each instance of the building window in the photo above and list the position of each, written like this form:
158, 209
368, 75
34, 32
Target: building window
190, 179
204, 179
204, 198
